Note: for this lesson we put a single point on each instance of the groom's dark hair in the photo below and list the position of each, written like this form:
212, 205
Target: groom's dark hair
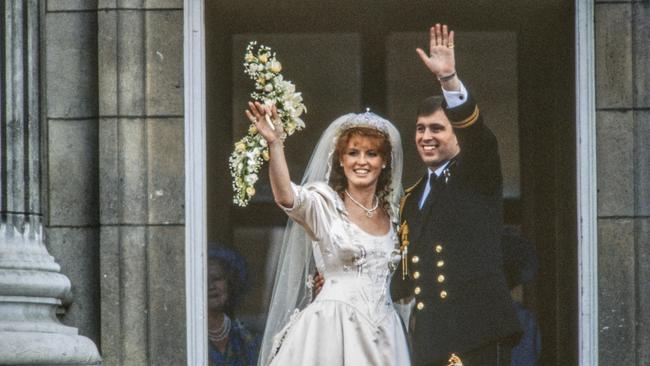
430, 105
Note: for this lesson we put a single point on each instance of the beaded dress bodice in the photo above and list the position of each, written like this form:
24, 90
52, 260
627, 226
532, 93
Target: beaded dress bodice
356, 265
352, 320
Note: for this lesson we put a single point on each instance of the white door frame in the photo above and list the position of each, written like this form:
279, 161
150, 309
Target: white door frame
586, 183
195, 182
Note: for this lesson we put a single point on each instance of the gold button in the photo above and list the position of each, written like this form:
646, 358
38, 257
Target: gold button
420, 306
417, 290
438, 248
441, 278
440, 264
443, 294
415, 259
416, 275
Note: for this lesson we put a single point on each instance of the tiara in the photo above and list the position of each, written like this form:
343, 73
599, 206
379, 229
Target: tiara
366, 119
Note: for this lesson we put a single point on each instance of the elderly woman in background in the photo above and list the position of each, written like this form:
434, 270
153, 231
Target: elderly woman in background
230, 343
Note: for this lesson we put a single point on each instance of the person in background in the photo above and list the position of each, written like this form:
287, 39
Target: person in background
520, 267
229, 342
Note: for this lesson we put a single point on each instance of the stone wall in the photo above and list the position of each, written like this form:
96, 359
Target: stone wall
623, 136
115, 148
70, 64
114, 183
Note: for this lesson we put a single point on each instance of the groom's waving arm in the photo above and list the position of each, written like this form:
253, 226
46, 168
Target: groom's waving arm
479, 165
479, 161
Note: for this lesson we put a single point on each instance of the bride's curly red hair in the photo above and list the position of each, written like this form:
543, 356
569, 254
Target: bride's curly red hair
339, 182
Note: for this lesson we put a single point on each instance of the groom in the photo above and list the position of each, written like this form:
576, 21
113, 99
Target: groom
451, 224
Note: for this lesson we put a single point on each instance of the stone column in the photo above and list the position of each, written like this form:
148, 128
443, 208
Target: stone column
141, 176
623, 131
31, 287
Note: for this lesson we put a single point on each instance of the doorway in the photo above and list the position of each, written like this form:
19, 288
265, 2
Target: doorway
346, 58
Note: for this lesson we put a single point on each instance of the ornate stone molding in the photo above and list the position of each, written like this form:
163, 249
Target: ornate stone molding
31, 286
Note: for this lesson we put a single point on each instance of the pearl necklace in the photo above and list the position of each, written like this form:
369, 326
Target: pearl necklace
369, 211
221, 333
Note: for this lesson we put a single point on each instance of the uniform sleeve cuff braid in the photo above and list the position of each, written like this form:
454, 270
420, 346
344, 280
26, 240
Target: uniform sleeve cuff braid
463, 115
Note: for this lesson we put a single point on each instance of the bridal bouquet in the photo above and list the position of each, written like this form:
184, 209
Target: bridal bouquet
262, 66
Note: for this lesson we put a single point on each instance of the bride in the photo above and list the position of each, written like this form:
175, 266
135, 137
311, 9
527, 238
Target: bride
346, 215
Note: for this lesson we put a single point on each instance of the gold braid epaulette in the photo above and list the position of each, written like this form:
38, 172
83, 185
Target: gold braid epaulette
409, 190
467, 121
404, 231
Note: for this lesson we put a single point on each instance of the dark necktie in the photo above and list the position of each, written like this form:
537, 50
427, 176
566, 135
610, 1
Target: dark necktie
436, 184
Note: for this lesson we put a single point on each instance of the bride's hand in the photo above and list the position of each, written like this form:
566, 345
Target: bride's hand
266, 121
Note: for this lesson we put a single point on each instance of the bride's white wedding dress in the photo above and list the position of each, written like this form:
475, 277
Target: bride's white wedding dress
352, 321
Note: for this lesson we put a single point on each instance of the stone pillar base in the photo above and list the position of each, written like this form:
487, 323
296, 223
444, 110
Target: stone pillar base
31, 290
31, 348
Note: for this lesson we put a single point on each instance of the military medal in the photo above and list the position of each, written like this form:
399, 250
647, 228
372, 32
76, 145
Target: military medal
446, 173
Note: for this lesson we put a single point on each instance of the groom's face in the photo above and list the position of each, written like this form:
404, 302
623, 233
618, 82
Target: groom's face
435, 139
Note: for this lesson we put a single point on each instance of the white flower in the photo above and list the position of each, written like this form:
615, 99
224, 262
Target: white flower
251, 156
264, 58
290, 127
286, 86
251, 179
275, 66
268, 87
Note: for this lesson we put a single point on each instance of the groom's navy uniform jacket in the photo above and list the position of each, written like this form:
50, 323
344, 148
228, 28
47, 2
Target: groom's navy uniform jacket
455, 268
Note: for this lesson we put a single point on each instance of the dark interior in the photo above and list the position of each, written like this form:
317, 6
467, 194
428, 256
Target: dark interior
545, 209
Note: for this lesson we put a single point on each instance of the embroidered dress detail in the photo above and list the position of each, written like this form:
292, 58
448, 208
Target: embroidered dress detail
352, 321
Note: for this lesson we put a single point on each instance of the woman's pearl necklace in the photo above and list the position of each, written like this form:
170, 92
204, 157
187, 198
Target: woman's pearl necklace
220, 334
369, 211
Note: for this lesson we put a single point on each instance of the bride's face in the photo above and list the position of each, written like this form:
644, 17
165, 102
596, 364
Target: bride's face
362, 162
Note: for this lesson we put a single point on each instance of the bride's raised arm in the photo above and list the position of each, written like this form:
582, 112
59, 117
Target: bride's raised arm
268, 124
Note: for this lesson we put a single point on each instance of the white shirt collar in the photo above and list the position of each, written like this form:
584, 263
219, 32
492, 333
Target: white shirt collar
438, 171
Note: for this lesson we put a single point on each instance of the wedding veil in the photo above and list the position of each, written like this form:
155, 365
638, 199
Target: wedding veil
292, 288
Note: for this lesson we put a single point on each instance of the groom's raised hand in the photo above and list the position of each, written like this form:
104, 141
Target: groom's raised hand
441, 58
